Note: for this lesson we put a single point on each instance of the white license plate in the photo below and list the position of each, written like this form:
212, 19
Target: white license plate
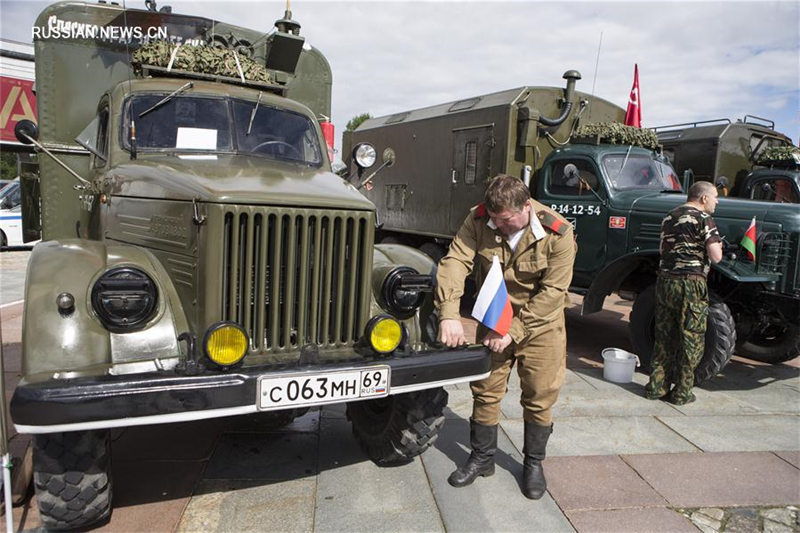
306, 389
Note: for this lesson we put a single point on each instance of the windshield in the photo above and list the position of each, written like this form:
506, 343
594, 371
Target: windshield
275, 133
201, 124
10, 195
181, 124
636, 171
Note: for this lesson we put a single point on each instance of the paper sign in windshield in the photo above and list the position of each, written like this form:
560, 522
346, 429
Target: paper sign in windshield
196, 139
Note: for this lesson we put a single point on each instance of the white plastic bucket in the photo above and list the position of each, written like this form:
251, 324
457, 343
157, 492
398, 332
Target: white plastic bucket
619, 365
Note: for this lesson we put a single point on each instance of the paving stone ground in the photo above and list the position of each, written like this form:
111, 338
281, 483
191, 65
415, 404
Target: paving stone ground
730, 462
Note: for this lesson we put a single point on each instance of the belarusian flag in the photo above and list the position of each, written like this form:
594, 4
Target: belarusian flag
749, 240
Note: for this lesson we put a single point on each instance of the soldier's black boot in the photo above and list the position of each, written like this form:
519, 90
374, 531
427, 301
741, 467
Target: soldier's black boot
533, 482
483, 440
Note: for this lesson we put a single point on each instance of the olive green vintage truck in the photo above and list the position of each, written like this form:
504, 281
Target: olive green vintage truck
712, 149
199, 258
614, 186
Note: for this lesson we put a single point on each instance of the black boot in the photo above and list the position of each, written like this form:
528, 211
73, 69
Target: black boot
533, 482
483, 440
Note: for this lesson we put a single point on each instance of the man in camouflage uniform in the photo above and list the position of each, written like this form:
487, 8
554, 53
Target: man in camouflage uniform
536, 249
689, 242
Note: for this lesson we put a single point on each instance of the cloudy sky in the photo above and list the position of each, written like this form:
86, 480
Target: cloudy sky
697, 60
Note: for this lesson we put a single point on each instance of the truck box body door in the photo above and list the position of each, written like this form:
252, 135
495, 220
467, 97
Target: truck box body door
472, 167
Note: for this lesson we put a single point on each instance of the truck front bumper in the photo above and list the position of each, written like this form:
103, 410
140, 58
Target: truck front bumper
108, 401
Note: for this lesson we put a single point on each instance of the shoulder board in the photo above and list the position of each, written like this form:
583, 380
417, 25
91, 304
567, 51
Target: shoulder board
552, 222
479, 211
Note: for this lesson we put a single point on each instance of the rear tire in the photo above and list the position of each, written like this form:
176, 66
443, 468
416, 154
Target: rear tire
773, 345
394, 430
720, 336
72, 478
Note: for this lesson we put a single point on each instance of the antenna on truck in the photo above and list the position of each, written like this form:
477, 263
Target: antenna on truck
596, 64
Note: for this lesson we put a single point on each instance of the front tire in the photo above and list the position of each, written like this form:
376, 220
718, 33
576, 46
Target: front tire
774, 344
72, 478
720, 337
395, 429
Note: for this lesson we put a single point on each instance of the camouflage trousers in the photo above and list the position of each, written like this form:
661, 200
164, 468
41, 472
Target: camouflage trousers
680, 326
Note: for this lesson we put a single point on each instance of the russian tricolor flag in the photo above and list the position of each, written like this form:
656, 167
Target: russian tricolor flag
493, 306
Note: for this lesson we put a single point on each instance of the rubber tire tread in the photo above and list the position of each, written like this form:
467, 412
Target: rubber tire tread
72, 478
719, 341
785, 351
407, 426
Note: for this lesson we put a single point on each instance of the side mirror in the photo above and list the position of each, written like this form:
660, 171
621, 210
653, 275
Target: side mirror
388, 157
25, 130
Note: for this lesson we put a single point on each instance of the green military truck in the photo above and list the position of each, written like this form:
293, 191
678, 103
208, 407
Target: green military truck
712, 149
200, 259
614, 188
776, 177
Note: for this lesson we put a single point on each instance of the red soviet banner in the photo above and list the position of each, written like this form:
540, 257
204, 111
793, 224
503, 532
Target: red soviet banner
17, 102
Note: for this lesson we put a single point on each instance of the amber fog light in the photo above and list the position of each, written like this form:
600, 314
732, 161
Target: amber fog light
384, 334
226, 343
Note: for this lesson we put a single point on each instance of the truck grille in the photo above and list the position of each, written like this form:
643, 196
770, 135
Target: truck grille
296, 276
773, 254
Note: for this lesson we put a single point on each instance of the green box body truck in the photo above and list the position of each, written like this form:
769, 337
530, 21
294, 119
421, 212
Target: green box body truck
614, 192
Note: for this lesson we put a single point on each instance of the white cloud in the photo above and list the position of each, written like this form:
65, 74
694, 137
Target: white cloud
697, 60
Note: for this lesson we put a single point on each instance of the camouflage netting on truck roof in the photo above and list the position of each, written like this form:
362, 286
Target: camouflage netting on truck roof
777, 155
202, 59
614, 133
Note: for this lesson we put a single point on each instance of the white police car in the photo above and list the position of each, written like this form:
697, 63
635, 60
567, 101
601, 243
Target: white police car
10, 215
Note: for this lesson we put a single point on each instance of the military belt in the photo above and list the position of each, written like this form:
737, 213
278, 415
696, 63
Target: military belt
695, 277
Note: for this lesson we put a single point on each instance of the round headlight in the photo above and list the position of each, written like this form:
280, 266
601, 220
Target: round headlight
401, 300
384, 334
365, 155
124, 298
226, 343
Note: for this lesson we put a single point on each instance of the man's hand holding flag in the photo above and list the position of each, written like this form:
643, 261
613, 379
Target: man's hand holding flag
493, 308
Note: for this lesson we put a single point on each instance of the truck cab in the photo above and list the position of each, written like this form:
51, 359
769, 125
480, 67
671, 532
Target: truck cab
594, 187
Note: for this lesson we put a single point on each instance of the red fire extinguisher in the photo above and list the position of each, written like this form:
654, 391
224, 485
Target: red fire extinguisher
327, 132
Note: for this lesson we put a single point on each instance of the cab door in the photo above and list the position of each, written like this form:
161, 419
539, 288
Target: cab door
573, 187
470, 172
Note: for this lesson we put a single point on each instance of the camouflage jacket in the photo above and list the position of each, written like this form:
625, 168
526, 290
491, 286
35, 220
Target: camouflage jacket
685, 232
537, 272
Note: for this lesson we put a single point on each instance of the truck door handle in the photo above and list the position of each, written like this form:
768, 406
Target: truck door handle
453, 179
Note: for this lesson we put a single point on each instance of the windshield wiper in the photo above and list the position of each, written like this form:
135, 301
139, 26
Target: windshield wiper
167, 98
253, 114
624, 162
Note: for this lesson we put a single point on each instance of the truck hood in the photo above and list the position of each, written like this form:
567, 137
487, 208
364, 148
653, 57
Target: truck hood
233, 179
788, 215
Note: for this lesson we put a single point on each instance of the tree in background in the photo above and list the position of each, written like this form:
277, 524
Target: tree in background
8, 165
356, 121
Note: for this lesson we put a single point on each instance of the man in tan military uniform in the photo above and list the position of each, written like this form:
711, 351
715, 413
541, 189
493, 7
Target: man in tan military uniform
536, 249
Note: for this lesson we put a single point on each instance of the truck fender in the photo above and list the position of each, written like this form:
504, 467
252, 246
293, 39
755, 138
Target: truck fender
423, 325
614, 274
77, 341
